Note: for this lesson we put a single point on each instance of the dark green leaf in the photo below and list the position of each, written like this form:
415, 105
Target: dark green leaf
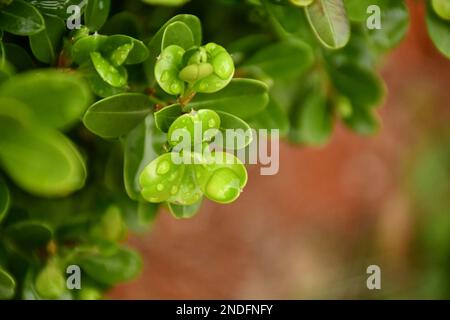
362, 120
46, 43
4, 199
242, 97
7, 285
96, 13
115, 116
286, 59
29, 235
166, 116
273, 117
361, 85
111, 265
313, 122
140, 148
394, 25
21, 18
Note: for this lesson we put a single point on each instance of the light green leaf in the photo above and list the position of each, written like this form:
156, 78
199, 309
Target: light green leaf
57, 99
242, 135
439, 30
114, 76
115, 116
329, 21
40, 160
184, 212
138, 54
177, 33
154, 45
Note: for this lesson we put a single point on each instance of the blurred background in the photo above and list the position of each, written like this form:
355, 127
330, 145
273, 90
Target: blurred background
312, 230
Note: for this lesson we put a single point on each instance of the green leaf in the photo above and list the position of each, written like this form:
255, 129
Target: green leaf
242, 135
288, 17
55, 8
273, 117
111, 265
100, 87
57, 99
184, 212
29, 234
329, 21
313, 121
285, 59
138, 54
439, 30
18, 57
114, 76
166, 2
46, 43
38, 159
395, 23
357, 9
147, 213
21, 18
360, 84
362, 120
115, 116
177, 33
140, 148
7, 285
442, 8
242, 98
96, 13
155, 44
82, 48
166, 116
5, 199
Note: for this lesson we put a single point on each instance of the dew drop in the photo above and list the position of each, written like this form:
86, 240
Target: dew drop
165, 76
163, 168
211, 123
160, 187
175, 87
174, 190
